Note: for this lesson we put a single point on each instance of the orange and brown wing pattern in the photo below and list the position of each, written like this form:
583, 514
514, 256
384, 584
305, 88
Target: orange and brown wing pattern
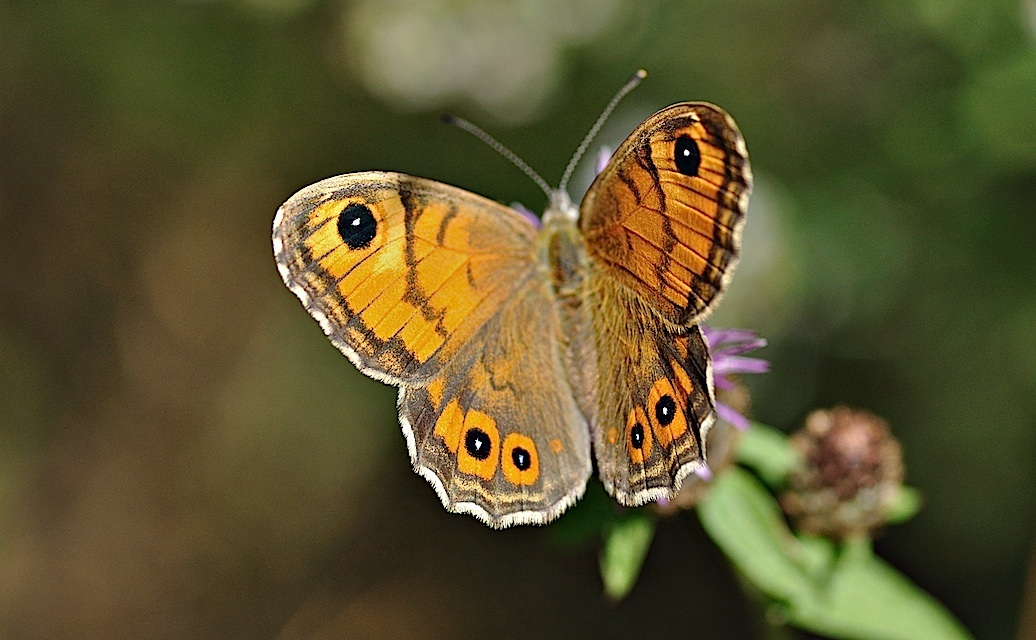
400, 272
654, 403
665, 216
497, 432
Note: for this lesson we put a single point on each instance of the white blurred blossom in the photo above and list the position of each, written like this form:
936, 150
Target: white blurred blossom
503, 56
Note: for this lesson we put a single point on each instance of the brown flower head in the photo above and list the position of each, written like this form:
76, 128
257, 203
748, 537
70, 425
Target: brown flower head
851, 472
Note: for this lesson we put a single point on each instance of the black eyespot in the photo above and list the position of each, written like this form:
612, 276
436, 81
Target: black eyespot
477, 443
687, 156
357, 226
637, 435
521, 458
665, 410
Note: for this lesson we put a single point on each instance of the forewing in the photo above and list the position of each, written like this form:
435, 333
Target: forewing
665, 216
401, 272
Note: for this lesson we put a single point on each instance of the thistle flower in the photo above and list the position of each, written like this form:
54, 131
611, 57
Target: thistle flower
850, 474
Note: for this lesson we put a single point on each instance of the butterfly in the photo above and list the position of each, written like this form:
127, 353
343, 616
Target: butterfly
520, 350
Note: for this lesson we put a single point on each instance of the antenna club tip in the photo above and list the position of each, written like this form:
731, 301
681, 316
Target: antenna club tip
641, 73
448, 118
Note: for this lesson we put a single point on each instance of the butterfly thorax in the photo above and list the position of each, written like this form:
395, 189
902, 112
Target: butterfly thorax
560, 248
563, 258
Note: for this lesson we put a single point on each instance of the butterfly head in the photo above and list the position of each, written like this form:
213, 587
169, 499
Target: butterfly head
560, 207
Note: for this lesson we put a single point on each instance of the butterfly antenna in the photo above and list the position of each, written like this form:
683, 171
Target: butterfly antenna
474, 130
630, 85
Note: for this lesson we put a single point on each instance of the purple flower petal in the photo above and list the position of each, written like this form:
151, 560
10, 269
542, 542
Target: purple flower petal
727, 414
739, 364
726, 346
723, 383
735, 349
718, 336
526, 213
604, 154
704, 472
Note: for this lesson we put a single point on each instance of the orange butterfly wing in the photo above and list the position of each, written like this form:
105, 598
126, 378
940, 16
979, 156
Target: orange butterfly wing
654, 406
400, 271
662, 225
438, 291
665, 216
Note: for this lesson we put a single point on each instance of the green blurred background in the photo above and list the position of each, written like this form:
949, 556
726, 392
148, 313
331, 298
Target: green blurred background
183, 454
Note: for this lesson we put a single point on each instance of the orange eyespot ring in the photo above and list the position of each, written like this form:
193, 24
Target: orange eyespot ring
639, 439
666, 411
520, 459
479, 447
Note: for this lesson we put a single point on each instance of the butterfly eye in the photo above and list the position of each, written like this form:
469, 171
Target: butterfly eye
357, 226
687, 156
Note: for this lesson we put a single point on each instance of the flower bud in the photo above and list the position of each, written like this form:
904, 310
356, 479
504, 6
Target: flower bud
850, 473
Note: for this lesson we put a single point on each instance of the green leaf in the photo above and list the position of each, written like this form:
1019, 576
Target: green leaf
626, 544
766, 450
745, 521
867, 598
842, 591
906, 506
817, 556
